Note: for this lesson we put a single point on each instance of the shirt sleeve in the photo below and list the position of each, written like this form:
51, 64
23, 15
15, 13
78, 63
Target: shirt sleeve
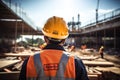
22, 75
81, 73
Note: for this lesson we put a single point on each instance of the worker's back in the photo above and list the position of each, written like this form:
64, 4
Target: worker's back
52, 65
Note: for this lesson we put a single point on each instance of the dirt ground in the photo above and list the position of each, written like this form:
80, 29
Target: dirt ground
108, 72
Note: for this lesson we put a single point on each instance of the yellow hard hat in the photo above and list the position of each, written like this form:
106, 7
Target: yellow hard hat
55, 27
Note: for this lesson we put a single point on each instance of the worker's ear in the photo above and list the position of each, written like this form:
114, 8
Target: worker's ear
46, 39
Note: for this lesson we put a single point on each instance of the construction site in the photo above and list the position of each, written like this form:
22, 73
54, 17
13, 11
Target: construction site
83, 42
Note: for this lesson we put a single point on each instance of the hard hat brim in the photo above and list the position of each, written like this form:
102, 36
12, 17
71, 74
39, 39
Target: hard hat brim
54, 36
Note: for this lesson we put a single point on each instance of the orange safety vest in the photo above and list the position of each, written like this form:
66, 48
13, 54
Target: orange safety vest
51, 65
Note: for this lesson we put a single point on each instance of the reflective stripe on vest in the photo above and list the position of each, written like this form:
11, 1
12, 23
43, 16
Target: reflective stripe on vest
59, 74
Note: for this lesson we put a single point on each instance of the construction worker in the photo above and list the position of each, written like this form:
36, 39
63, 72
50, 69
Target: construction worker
72, 48
53, 62
101, 51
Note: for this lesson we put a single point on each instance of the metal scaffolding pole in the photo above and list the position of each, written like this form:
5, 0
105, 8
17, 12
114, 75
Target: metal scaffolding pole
97, 11
15, 31
22, 23
97, 20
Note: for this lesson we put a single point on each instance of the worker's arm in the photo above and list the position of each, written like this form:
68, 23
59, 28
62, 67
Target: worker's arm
23, 70
81, 73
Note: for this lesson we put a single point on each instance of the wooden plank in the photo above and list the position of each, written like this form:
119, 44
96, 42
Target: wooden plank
7, 70
90, 76
98, 63
16, 54
88, 57
115, 70
7, 63
15, 76
94, 72
93, 77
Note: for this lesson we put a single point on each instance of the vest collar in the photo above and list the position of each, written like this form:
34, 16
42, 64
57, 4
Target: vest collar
54, 46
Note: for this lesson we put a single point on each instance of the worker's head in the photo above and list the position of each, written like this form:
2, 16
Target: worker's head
55, 30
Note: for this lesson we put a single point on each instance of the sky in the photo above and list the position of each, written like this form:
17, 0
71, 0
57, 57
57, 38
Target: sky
40, 10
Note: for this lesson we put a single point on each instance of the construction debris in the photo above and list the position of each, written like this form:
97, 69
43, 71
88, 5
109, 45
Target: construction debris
96, 67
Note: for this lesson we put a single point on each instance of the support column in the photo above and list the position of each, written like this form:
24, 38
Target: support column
32, 39
15, 32
114, 37
96, 40
104, 38
90, 40
22, 31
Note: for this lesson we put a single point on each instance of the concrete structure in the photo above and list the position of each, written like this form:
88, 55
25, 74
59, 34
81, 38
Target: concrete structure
104, 32
13, 21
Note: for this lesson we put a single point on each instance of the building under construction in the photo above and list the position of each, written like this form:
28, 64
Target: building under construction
86, 41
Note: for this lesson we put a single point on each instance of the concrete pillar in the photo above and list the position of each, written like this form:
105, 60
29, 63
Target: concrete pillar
114, 37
